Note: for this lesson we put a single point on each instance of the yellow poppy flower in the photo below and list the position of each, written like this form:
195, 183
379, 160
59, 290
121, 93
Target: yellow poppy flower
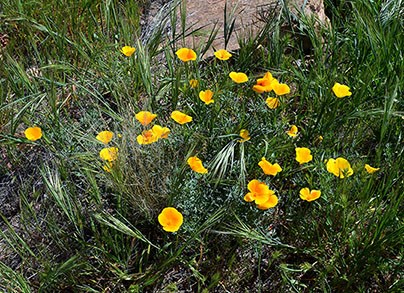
147, 137
281, 89
268, 168
340, 167
145, 117
160, 132
259, 88
267, 76
105, 136
245, 135
292, 131
273, 103
341, 90
303, 155
238, 77
270, 203
170, 219
206, 96
222, 54
33, 133
128, 50
308, 195
193, 83
259, 192
264, 84
186, 54
109, 154
180, 117
371, 169
196, 164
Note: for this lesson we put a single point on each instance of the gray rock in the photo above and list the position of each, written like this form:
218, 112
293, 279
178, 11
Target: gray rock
249, 17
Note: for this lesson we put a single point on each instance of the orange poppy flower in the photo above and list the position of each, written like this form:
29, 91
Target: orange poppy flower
170, 219
272, 103
341, 90
160, 132
33, 133
196, 164
105, 136
371, 169
180, 117
186, 54
128, 50
303, 155
245, 135
109, 154
268, 168
340, 167
206, 96
222, 54
264, 84
281, 89
308, 195
147, 137
145, 117
238, 77
292, 131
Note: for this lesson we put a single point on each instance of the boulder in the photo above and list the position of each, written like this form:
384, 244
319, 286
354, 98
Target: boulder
249, 17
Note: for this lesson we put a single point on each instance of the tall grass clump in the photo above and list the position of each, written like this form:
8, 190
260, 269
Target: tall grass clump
131, 162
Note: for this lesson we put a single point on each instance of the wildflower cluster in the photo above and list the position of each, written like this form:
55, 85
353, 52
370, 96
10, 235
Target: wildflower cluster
128, 162
107, 154
268, 83
259, 192
152, 135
